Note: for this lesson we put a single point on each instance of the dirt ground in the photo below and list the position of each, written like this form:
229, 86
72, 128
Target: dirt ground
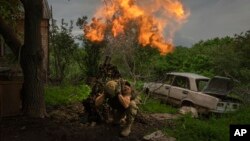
64, 124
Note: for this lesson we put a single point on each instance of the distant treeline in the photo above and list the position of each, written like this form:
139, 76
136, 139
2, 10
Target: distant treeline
73, 62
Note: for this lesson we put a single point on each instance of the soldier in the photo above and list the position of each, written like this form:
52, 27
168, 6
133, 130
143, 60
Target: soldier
106, 72
123, 102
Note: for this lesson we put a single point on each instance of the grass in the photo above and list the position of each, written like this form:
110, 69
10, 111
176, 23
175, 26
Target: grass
63, 95
155, 106
190, 129
213, 129
186, 128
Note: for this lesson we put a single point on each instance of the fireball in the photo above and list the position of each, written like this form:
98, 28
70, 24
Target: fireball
156, 20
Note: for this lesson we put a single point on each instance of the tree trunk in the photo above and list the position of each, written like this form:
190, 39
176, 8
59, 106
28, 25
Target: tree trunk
31, 61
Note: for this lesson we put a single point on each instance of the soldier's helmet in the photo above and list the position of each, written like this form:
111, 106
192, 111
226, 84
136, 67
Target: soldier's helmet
111, 88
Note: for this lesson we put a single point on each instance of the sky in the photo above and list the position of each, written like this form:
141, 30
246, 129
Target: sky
208, 18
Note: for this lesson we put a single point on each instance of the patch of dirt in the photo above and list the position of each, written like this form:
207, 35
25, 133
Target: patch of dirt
64, 124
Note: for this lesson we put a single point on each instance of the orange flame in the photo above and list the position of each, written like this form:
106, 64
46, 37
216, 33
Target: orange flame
157, 21
95, 31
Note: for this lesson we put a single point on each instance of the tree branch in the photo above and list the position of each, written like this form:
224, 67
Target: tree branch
10, 37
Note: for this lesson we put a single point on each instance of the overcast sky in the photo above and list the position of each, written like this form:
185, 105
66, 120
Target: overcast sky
208, 18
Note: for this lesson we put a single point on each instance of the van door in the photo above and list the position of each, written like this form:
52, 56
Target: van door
180, 89
163, 90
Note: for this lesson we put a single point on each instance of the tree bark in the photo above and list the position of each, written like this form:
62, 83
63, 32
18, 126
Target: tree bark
31, 61
31, 57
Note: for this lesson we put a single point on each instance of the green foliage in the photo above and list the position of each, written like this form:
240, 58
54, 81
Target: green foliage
139, 85
190, 129
64, 54
144, 57
92, 58
183, 59
92, 51
11, 10
215, 128
242, 48
62, 95
226, 56
173, 62
155, 106
200, 64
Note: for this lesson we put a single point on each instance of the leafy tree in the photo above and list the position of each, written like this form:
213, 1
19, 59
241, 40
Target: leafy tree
213, 52
242, 48
145, 57
63, 49
175, 61
92, 51
225, 61
11, 11
200, 64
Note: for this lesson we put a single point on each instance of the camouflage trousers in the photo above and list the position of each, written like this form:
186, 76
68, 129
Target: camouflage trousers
127, 116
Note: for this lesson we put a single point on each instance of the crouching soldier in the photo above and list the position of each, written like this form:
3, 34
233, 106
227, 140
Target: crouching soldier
123, 102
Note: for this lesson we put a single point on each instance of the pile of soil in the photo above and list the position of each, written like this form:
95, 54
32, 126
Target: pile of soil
64, 124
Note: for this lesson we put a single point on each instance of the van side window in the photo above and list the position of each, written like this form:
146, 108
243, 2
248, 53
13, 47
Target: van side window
169, 79
201, 84
182, 82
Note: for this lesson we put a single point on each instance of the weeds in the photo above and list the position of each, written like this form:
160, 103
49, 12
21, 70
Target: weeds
62, 95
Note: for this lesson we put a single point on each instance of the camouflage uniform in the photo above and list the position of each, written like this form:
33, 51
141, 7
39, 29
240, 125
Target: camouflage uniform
119, 112
127, 115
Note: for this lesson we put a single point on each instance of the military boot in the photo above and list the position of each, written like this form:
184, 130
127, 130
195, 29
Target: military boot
126, 130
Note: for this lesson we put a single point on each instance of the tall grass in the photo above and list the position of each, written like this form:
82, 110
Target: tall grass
216, 128
186, 128
63, 95
155, 106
